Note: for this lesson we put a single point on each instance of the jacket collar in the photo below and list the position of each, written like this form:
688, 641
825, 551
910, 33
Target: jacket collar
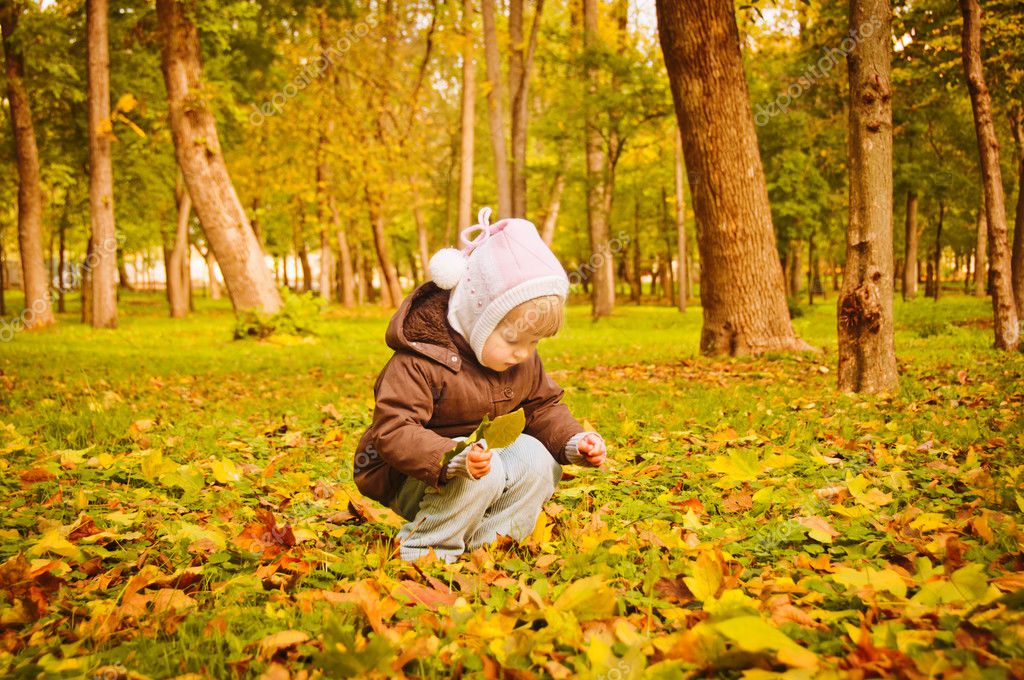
421, 326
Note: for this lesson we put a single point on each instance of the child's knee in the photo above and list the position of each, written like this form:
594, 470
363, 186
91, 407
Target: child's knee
529, 462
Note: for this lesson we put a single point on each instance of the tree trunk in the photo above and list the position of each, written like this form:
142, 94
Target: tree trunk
38, 312
307, 271
867, 354
938, 253
520, 66
910, 251
981, 255
600, 263
323, 179
211, 272
122, 273
795, 270
347, 278
3, 279
466, 143
62, 262
1017, 259
365, 283
86, 293
496, 111
101, 181
684, 273
547, 232
1004, 310
197, 147
391, 290
635, 279
810, 268
742, 290
177, 295
422, 242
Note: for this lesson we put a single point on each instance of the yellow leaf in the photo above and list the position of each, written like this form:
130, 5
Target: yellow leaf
706, 578
541, 530
754, 634
225, 471
818, 528
53, 542
588, 598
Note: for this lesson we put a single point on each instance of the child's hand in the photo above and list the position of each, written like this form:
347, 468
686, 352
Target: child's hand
593, 449
478, 461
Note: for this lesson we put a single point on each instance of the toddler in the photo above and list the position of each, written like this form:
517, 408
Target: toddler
465, 347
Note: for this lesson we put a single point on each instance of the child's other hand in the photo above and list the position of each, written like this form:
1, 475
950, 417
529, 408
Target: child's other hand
478, 461
593, 448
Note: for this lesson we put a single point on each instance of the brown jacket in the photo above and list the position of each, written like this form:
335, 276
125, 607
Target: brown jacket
433, 389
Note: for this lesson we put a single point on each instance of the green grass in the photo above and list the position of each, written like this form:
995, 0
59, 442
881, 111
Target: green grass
691, 526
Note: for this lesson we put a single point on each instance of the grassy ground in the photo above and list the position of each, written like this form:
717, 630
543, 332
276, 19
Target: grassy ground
177, 502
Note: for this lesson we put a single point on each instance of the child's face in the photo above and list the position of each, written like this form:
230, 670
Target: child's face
508, 346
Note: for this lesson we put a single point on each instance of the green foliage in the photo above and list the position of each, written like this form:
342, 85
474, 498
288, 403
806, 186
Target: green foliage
300, 316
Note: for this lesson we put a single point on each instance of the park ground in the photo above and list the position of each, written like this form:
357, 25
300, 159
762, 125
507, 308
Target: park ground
176, 502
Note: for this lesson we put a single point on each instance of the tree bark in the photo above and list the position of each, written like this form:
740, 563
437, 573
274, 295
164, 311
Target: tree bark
422, 238
1004, 309
547, 232
177, 294
496, 111
391, 290
601, 263
742, 289
101, 181
910, 235
467, 142
684, 274
1017, 259
197, 147
520, 66
936, 291
981, 256
346, 283
867, 354
795, 270
3, 280
34, 280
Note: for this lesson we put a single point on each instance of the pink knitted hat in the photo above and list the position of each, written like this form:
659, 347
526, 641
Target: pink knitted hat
503, 266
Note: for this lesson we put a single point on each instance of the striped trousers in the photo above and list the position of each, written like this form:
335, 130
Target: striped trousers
465, 514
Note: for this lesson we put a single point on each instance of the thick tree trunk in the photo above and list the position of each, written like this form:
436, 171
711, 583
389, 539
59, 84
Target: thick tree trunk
496, 111
38, 312
1004, 310
197, 146
391, 290
520, 66
742, 289
177, 293
910, 251
684, 273
600, 264
466, 142
547, 232
101, 180
1017, 259
867, 354
981, 256
936, 291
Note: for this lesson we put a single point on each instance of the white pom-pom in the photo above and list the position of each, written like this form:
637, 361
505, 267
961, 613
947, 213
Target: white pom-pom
447, 267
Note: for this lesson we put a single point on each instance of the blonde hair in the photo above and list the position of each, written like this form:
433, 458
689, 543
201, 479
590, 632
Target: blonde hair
543, 316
